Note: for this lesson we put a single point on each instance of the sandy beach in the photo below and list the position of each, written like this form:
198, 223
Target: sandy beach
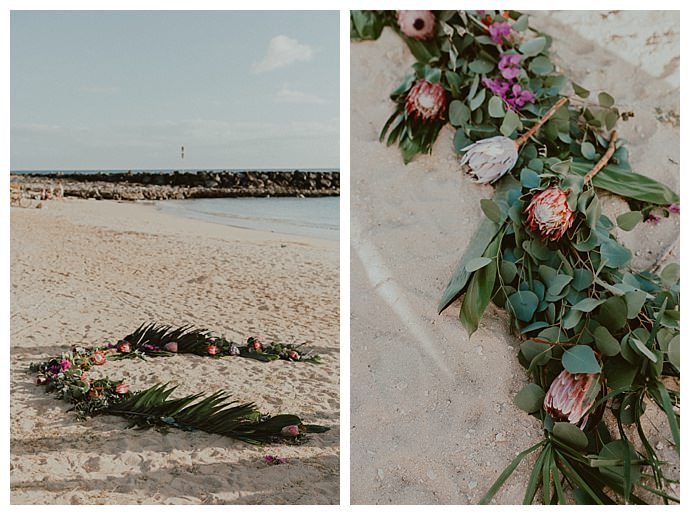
88, 272
432, 413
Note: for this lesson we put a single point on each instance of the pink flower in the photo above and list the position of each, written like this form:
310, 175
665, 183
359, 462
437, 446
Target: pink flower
124, 347
293, 355
121, 388
257, 345
212, 350
417, 24
426, 100
674, 208
211, 340
571, 396
498, 31
84, 377
65, 364
171, 346
548, 213
290, 431
509, 65
653, 219
98, 357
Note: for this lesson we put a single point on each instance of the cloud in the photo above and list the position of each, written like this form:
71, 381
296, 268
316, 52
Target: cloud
283, 51
289, 96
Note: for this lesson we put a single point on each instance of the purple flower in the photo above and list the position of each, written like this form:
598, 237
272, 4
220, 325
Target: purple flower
674, 208
498, 87
498, 30
520, 97
653, 219
509, 64
274, 460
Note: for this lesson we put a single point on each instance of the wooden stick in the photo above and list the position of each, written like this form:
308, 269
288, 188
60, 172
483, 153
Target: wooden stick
604, 159
519, 142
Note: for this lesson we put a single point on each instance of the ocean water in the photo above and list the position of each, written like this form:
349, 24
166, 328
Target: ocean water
311, 217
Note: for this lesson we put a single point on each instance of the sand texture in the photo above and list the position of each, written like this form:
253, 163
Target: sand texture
86, 272
432, 415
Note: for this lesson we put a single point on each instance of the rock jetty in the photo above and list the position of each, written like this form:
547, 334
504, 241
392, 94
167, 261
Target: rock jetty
183, 185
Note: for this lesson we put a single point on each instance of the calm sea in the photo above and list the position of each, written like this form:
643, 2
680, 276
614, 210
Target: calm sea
312, 217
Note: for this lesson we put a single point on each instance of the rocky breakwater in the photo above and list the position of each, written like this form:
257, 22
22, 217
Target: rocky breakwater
182, 185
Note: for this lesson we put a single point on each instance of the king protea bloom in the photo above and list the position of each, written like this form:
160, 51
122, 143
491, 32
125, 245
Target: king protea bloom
98, 357
293, 355
171, 346
571, 396
212, 350
417, 24
549, 214
489, 159
124, 347
426, 100
122, 389
290, 431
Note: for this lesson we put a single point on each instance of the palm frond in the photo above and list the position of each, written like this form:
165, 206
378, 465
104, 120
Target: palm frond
189, 340
214, 413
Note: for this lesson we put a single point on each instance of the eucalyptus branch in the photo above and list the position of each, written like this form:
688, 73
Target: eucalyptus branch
527, 135
604, 159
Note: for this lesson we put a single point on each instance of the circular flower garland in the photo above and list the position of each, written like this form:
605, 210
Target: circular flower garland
68, 376
598, 340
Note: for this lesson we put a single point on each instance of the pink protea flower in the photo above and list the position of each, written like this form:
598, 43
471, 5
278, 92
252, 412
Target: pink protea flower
212, 350
290, 431
548, 213
124, 347
417, 24
426, 100
65, 364
171, 346
571, 396
257, 345
293, 355
121, 388
98, 357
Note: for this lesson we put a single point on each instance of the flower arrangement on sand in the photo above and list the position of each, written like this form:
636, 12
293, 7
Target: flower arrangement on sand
599, 340
68, 376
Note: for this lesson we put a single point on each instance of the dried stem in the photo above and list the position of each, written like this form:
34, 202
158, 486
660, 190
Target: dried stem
527, 135
604, 159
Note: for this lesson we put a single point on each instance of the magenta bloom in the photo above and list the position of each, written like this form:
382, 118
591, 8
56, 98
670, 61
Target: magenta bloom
653, 219
674, 208
498, 87
65, 364
509, 64
520, 97
274, 460
498, 31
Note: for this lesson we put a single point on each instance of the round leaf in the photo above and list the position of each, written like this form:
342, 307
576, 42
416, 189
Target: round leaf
628, 221
612, 313
458, 113
491, 210
606, 343
674, 351
580, 359
588, 151
530, 398
496, 107
523, 304
570, 434
587, 305
634, 300
508, 271
533, 46
617, 451
510, 124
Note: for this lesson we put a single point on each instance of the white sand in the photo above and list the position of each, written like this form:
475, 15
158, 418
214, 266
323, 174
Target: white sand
433, 419
91, 271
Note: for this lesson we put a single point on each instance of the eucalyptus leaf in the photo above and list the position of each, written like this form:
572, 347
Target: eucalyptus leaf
612, 313
496, 109
588, 304
606, 343
580, 359
492, 210
570, 434
530, 398
523, 304
511, 123
634, 301
533, 47
478, 99
674, 351
628, 221
458, 113
477, 263
479, 291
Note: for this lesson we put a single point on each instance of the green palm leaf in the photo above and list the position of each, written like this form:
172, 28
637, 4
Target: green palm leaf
212, 414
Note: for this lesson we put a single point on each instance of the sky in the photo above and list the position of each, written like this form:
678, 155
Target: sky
127, 89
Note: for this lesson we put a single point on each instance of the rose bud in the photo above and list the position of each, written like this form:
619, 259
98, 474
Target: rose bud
548, 213
416, 24
489, 159
212, 350
124, 347
426, 100
293, 355
41, 380
571, 396
121, 388
171, 346
84, 377
257, 345
234, 350
98, 357
290, 431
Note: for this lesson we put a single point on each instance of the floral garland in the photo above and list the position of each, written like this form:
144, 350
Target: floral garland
68, 376
598, 339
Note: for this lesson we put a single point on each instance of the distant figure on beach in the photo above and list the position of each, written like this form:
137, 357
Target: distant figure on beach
182, 151
60, 190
